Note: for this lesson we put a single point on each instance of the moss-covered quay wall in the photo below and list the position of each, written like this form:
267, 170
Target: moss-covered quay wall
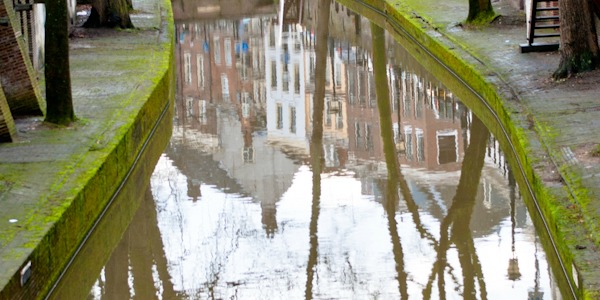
80, 198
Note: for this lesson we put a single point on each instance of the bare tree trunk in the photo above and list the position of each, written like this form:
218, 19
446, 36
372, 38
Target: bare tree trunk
59, 99
579, 43
480, 12
110, 13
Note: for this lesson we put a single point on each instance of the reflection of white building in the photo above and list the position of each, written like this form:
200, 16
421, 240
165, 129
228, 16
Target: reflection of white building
266, 177
217, 244
287, 112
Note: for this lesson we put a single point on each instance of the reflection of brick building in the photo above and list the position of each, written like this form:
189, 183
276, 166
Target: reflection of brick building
196, 10
430, 119
218, 65
194, 96
430, 125
430, 122
221, 78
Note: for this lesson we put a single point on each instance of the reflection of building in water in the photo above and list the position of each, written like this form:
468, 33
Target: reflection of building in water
196, 10
269, 81
431, 124
290, 85
221, 108
285, 81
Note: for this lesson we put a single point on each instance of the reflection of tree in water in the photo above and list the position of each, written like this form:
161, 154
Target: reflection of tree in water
141, 252
316, 142
140, 257
454, 228
393, 166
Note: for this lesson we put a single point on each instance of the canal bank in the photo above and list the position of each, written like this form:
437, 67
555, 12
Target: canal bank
546, 127
55, 182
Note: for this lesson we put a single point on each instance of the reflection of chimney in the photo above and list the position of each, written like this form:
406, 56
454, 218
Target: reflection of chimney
193, 189
269, 219
247, 133
342, 156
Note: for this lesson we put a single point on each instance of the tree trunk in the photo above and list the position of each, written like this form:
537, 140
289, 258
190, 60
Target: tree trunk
110, 13
480, 12
59, 101
579, 42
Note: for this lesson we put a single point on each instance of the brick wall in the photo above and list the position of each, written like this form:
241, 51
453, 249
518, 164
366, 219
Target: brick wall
17, 76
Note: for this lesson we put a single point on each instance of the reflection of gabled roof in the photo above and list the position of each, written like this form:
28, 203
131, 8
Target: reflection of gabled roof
203, 168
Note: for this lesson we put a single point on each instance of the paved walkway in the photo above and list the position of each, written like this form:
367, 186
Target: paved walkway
559, 122
46, 170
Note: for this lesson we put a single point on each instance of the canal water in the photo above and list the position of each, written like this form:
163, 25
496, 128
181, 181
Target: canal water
312, 158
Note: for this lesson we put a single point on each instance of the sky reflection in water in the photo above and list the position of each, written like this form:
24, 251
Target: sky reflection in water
413, 199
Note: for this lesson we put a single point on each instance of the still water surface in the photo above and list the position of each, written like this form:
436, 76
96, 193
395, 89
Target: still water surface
311, 157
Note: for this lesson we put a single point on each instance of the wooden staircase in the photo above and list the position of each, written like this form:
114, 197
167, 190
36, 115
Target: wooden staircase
543, 23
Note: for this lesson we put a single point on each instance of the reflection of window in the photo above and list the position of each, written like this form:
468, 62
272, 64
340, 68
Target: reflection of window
372, 91
189, 106
200, 70
357, 134
271, 36
351, 88
447, 147
362, 88
244, 69
407, 105
245, 104
203, 117
327, 111
225, 86
296, 79
227, 50
286, 81
279, 116
311, 69
368, 137
420, 145
408, 137
273, 74
248, 154
187, 67
339, 120
217, 47
331, 156
419, 106
292, 119
285, 59
338, 74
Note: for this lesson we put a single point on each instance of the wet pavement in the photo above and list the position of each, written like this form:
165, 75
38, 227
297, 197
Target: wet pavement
46, 171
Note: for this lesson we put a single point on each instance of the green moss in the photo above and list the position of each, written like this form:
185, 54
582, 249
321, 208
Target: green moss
596, 151
481, 18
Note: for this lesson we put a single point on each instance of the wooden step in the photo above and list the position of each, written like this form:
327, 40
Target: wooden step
546, 18
547, 26
546, 35
540, 9
538, 47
